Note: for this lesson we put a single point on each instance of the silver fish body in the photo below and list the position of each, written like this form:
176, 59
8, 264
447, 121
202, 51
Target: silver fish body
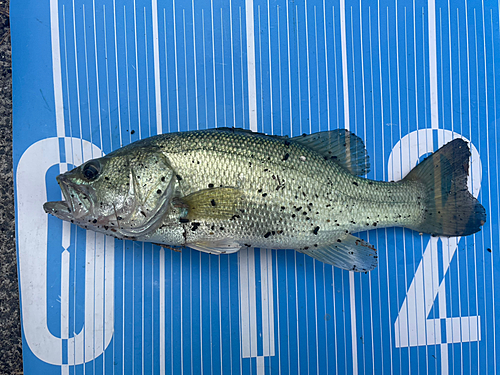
222, 189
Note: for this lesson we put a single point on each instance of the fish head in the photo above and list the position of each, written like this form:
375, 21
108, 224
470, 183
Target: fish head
124, 194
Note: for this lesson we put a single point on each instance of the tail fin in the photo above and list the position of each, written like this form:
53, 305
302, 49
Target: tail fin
450, 209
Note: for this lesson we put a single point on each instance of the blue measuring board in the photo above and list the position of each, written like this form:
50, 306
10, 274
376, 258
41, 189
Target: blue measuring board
407, 77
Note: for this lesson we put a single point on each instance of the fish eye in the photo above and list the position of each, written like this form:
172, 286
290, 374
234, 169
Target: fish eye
91, 170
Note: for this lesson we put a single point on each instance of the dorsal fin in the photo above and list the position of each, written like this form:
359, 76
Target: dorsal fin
248, 131
340, 146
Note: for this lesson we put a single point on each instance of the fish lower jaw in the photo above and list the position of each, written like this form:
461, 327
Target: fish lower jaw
59, 209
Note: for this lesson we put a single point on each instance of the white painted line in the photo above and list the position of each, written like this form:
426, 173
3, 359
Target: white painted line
308, 69
248, 303
65, 259
289, 71
354, 335
270, 68
431, 23
223, 48
195, 67
213, 61
89, 297
344, 64
146, 64
299, 88
326, 76
117, 73
261, 369
252, 85
156, 54
188, 122
99, 295
176, 70
98, 86
56, 67
232, 59
77, 81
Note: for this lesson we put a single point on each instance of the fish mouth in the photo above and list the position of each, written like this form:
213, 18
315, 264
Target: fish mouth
66, 209
59, 209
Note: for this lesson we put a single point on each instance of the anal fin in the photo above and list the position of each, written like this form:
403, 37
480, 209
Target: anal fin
348, 252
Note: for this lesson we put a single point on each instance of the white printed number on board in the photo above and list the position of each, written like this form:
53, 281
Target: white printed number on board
33, 248
412, 326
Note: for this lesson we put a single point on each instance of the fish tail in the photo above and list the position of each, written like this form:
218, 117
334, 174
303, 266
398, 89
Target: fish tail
449, 208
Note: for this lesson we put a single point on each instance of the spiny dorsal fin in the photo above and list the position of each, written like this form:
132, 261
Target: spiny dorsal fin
218, 203
347, 252
340, 146
248, 131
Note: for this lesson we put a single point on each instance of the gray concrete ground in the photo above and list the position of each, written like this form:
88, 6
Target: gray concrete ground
10, 324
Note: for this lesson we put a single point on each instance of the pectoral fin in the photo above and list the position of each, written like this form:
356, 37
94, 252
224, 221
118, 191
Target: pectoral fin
208, 204
348, 252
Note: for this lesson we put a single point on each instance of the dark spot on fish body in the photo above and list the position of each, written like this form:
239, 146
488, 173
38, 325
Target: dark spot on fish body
234, 217
374, 224
267, 234
315, 231
182, 220
293, 215
286, 157
304, 213
247, 245
212, 202
355, 183
210, 186
105, 227
179, 178
259, 191
221, 228
264, 195
132, 132
282, 208
194, 226
158, 191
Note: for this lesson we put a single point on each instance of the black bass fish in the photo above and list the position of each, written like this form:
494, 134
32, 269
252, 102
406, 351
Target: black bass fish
219, 190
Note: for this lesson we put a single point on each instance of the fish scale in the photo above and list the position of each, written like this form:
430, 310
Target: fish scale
219, 158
